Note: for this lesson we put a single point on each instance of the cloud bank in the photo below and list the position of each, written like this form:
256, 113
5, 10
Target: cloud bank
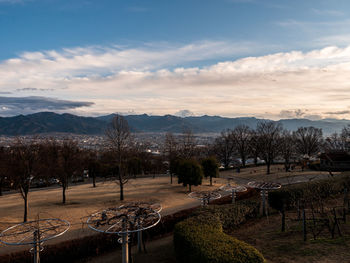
24, 105
151, 80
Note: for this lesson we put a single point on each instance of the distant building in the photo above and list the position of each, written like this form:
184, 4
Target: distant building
335, 161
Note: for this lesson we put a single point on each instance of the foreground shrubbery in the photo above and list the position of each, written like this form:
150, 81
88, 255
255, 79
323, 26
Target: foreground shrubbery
291, 196
231, 215
201, 237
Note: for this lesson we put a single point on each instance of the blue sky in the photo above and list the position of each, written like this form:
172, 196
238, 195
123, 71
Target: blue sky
164, 56
32, 25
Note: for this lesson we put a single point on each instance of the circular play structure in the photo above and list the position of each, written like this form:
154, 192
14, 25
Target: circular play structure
264, 187
34, 233
234, 189
124, 220
205, 196
150, 205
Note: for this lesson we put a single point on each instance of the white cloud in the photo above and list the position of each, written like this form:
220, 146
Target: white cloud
327, 12
14, 1
142, 80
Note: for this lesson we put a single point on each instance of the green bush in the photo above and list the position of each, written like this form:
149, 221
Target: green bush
231, 215
189, 173
201, 238
289, 196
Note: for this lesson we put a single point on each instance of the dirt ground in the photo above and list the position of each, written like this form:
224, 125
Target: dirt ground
83, 199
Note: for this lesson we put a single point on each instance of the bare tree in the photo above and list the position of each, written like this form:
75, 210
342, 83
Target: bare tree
4, 167
287, 148
24, 167
308, 140
187, 144
119, 138
345, 137
269, 133
254, 146
223, 148
92, 164
70, 164
335, 142
171, 150
241, 136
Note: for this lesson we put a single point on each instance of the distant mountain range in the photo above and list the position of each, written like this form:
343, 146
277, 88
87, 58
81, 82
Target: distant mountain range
49, 122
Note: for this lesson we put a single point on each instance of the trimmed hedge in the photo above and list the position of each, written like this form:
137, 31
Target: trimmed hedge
201, 238
289, 196
231, 215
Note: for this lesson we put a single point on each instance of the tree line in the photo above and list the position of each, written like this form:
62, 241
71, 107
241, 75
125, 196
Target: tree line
270, 141
25, 162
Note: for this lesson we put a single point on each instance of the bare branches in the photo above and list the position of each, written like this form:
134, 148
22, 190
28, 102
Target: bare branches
241, 137
119, 139
224, 148
269, 132
308, 140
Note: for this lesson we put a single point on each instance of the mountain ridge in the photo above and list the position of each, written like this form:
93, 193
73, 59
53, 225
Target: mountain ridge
50, 122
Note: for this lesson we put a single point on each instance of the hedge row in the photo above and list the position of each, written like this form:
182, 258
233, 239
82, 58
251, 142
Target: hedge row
231, 215
200, 239
251, 192
290, 197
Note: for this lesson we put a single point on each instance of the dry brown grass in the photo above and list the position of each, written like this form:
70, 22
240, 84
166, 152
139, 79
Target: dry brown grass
84, 199
289, 247
277, 173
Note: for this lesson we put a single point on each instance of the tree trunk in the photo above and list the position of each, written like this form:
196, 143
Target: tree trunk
268, 164
25, 216
243, 161
283, 220
94, 180
211, 181
256, 160
286, 166
121, 191
171, 178
64, 194
0, 188
189, 188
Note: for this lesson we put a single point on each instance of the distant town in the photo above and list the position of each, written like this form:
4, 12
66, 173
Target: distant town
153, 141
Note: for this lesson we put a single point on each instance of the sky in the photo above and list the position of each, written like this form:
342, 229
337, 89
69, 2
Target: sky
270, 59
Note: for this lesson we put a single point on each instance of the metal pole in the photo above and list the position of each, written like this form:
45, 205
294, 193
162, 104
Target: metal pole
267, 203
263, 201
125, 244
233, 196
125, 248
139, 241
304, 225
36, 247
